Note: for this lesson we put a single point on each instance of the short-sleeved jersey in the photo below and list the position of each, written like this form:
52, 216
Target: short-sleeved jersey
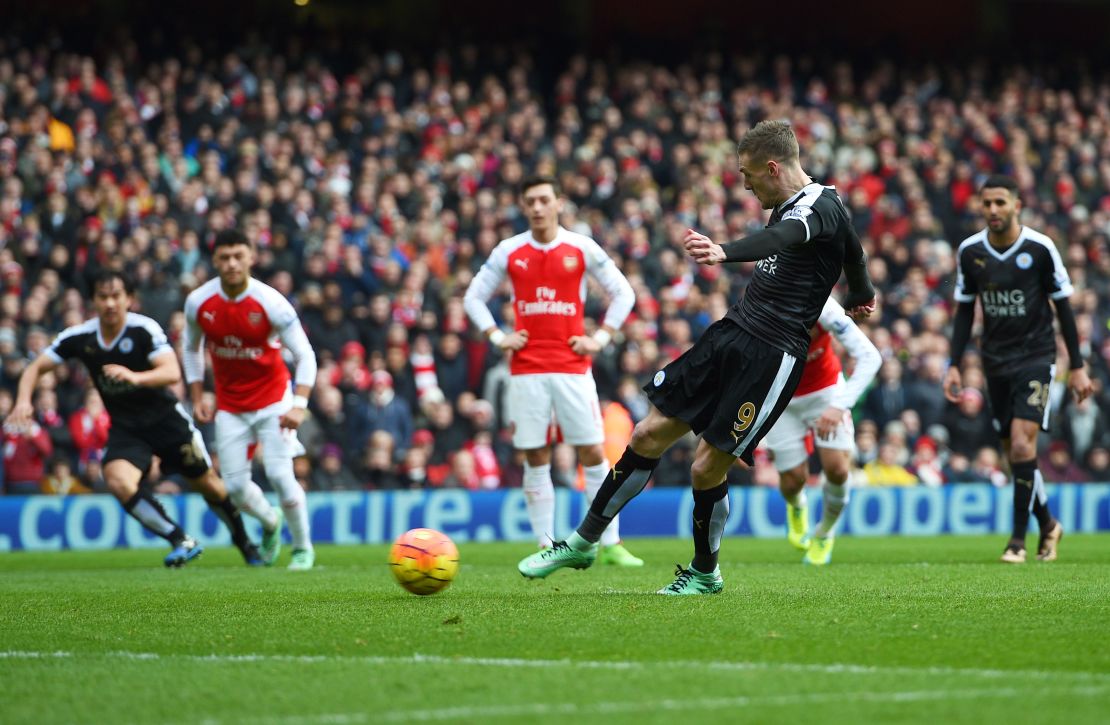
549, 295
1014, 286
789, 289
139, 342
242, 335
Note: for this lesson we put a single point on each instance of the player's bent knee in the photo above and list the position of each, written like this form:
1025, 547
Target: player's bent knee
837, 473
292, 497
590, 455
536, 457
651, 441
237, 482
122, 479
792, 481
120, 488
709, 470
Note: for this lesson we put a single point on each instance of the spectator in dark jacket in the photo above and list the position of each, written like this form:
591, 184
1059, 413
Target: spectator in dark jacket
331, 474
969, 424
886, 401
383, 411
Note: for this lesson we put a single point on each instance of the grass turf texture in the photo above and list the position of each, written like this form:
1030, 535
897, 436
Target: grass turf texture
896, 630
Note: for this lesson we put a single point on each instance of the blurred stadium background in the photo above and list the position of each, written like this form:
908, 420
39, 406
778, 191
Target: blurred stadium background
371, 151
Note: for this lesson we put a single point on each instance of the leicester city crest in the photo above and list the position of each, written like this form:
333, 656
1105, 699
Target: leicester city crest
126, 345
1024, 260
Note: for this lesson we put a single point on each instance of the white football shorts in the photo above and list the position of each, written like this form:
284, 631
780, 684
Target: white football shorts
237, 434
572, 397
787, 438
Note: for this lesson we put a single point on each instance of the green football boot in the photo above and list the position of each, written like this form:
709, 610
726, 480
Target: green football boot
692, 581
797, 526
617, 555
819, 552
302, 560
271, 541
558, 556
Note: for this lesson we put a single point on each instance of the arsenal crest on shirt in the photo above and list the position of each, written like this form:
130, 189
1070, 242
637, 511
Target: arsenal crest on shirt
255, 318
570, 263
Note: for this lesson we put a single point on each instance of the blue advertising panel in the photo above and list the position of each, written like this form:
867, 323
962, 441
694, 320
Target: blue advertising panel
48, 523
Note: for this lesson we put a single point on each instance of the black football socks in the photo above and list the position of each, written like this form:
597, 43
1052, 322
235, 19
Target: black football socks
1025, 479
709, 517
231, 517
624, 482
149, 512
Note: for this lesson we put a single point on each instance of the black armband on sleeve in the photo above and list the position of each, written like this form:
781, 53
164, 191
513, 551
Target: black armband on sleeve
961, 330
765, 242
1069, 331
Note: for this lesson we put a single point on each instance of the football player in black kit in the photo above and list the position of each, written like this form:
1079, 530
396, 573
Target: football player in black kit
1015, 271
132, 365
736, 380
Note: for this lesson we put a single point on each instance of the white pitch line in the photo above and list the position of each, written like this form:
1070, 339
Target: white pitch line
619, 665
480, 712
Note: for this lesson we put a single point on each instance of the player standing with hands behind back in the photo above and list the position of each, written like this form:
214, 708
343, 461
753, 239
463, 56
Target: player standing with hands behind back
736, 380
551, 354
245, 324
1015, 271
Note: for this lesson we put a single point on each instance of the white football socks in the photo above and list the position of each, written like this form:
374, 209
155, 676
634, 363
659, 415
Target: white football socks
539, 498
834, 498
296, 516
252, 502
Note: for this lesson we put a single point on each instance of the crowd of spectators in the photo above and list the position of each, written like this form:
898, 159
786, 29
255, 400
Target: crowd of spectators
375, 189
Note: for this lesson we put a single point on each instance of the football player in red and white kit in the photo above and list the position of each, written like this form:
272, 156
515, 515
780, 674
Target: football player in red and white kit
822, 403
551, 354
244, 323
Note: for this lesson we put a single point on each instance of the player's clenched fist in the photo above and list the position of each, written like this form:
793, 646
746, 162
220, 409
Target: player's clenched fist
702, 249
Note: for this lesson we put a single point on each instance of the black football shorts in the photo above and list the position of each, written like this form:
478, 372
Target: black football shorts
730, 388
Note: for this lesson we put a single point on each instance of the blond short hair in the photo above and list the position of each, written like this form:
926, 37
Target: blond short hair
770, 141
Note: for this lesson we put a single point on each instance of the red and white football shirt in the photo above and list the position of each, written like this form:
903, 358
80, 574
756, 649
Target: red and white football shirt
549, 294
242, 335
823, 366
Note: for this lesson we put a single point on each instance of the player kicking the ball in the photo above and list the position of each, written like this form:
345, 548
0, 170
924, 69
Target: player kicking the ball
244, 324
132, 365
736, 380
822, 403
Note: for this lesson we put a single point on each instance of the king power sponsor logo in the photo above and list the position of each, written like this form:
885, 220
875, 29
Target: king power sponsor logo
49, 523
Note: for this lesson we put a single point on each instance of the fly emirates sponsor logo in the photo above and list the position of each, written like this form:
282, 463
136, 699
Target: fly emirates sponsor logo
232, 348
546, 304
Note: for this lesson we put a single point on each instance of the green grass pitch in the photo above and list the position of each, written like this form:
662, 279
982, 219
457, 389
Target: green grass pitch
896, 630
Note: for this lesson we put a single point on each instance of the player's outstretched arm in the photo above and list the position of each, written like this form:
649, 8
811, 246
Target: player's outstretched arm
751, 248
23, 411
